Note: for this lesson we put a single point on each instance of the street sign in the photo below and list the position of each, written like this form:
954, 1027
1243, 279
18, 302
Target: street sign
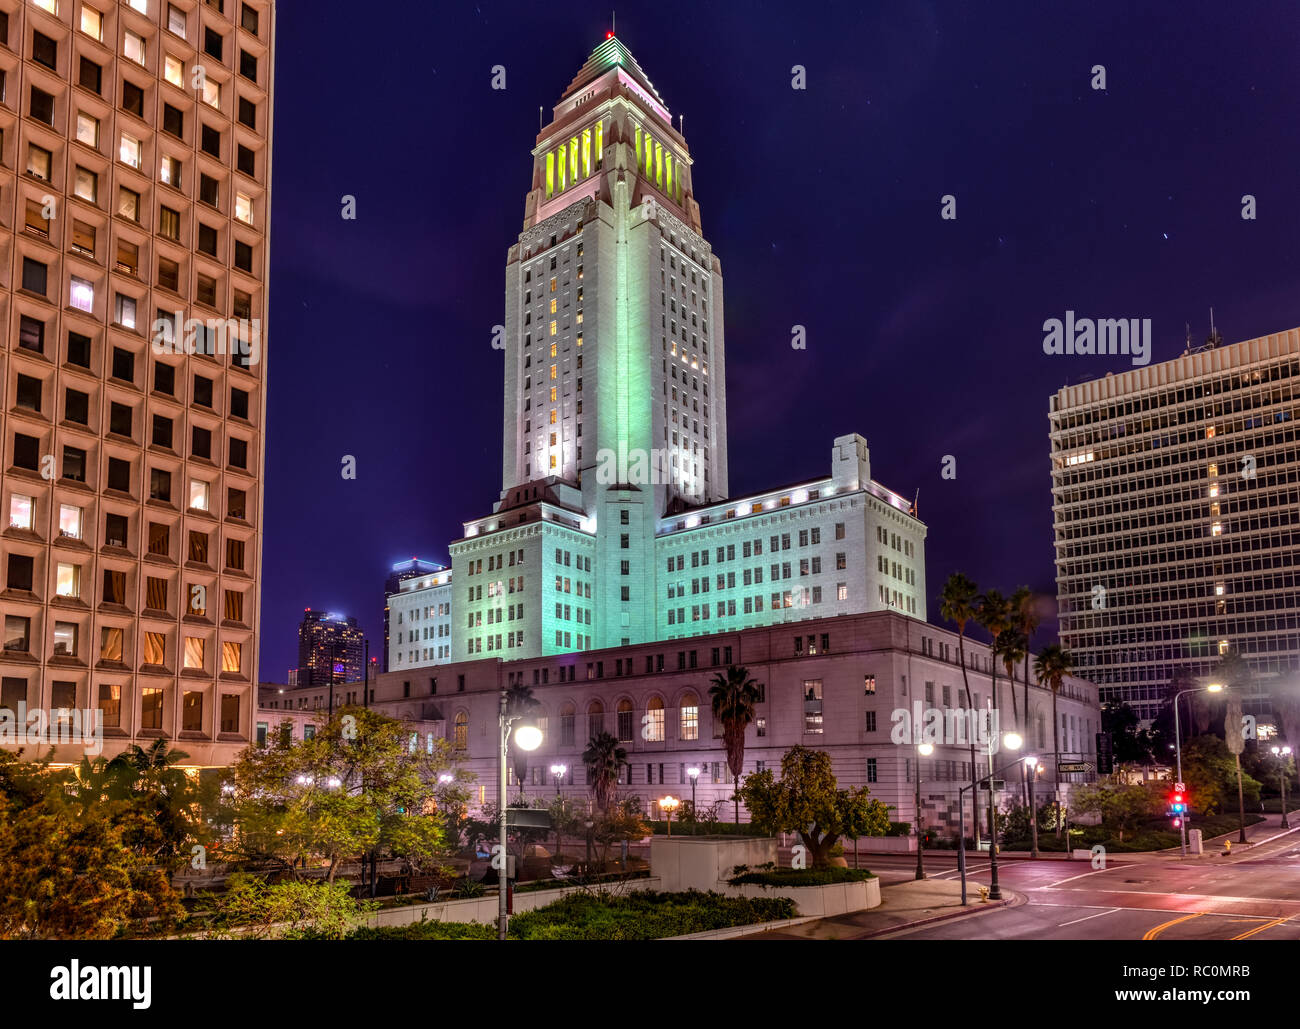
528, 818
998, 784
1180, 787
1075, 766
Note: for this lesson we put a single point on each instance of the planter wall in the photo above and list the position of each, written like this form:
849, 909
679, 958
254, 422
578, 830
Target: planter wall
816, 901
484, 909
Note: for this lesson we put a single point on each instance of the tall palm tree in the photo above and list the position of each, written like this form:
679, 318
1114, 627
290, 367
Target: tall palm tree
1234, 673
603, 758
993, 613
734, 696
1054, 663
520, 703
1026, 620
957, 605
1012, 646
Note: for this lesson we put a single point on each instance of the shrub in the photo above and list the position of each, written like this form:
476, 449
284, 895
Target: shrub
799, 876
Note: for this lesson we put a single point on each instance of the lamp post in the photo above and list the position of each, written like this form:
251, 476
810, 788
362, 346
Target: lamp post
1283, 754
558, 772
1012, 741
694, 773
1213, 687
527, 737
922, 750
669, 805
1031, 772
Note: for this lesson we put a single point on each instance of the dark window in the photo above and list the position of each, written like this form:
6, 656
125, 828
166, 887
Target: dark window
162, 431
205, 291
173, 121
244, 160
207, 240
235, 554
247, 112
119, 419
42, 106
200, 442
202, 391
74, 464
238, 452
78, 349
133, 102
230, 712
27, 452
160, 485
31, 334
212, 43
29, 392
208, 189
44, 50
119, 474
198, 547
243, 256
164, 379
34, 276
19, 575
247, 65
76, 406
114, 588
248, 19
169, 222
236, 503
159, 540
169, 274
115, 530
241, 305
238, 403
91, 75
211, 141
123, 365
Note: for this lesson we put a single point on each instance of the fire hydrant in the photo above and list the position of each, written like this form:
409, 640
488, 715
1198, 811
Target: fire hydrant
1227, 848
984, 894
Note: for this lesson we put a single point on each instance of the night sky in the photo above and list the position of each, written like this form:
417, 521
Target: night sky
823, 206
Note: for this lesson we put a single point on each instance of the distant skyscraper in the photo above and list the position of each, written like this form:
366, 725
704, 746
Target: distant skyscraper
135, 168
402, 571
1177, 527
329, 645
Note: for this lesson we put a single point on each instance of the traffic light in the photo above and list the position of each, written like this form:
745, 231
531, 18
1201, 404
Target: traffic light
1178, 807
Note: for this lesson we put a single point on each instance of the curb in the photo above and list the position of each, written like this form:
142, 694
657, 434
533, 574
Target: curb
1007, 901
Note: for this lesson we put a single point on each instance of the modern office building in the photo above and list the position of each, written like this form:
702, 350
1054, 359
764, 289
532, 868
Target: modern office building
843, 684
400, 573
331, 648
1176, 496
135, 169
615, 524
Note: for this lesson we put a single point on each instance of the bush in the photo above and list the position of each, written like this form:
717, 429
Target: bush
798, 876
426, 929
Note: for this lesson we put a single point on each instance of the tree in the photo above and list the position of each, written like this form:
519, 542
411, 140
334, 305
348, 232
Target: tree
1025, 616
1054, 663
957, 605
622, 821
993, 613
1210, 773
1234, 673
1130, 743
1123, 808
520, 703
251, 909
603, 758
1011, 647
807, 800
734, 696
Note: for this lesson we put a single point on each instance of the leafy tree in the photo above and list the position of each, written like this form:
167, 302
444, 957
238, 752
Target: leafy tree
251, 909
807, 800
734, 697
1123, 808
957, 605
1210, 772
621, 821
603, 758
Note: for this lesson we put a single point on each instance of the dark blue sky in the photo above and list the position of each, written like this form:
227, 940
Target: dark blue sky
823, 205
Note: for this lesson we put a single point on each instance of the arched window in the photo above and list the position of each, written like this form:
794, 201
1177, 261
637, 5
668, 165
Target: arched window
654, 726
568, 713
625, 721
595, 718
460, 731
689, 728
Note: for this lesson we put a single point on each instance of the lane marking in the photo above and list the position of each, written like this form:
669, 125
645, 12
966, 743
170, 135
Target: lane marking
1151, 934
1060, 925
1260, 928
1083, 875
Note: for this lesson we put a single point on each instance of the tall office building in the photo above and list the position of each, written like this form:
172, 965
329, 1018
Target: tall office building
615, 524
1176, 492
330, 647
135, 167
398, 574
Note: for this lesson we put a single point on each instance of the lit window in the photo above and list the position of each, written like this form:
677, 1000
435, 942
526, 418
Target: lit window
690, 722
133, 47
130, 150
21, 511
92, 22
87, 186
553, 303
176, 20
140, 5
68, 580
1216, 529
174, 71
231, 654
552, 326
155, 648
193, 652
211, 93
1223, 647
87, 129
552, 460
552, 416
553, 346
82, 295
553, 367
46, 5
200, 492
552, 394
244, 208
70, 521
170, 173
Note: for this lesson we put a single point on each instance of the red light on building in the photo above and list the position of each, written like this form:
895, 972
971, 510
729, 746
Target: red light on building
609, 35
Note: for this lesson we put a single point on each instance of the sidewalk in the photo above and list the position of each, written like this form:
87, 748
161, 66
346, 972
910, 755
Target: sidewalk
902, 906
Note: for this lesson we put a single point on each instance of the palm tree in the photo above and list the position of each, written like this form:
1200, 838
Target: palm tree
520, 703
957, 605
1025, 616
1234, 673
1012, 646
993, 612
734, 696
1052, 666
603, 758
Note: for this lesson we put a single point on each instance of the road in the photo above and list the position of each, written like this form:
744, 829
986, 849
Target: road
1253, 895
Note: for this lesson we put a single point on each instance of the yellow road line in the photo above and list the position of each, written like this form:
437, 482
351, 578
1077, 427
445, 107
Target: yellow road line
1151, 934
1261, 928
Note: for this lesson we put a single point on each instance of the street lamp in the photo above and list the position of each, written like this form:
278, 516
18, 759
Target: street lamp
922, 750
1214, 687
527, 737
1012, 741
1031, 770
1283, 754
694, 773
669, 805
558, 772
